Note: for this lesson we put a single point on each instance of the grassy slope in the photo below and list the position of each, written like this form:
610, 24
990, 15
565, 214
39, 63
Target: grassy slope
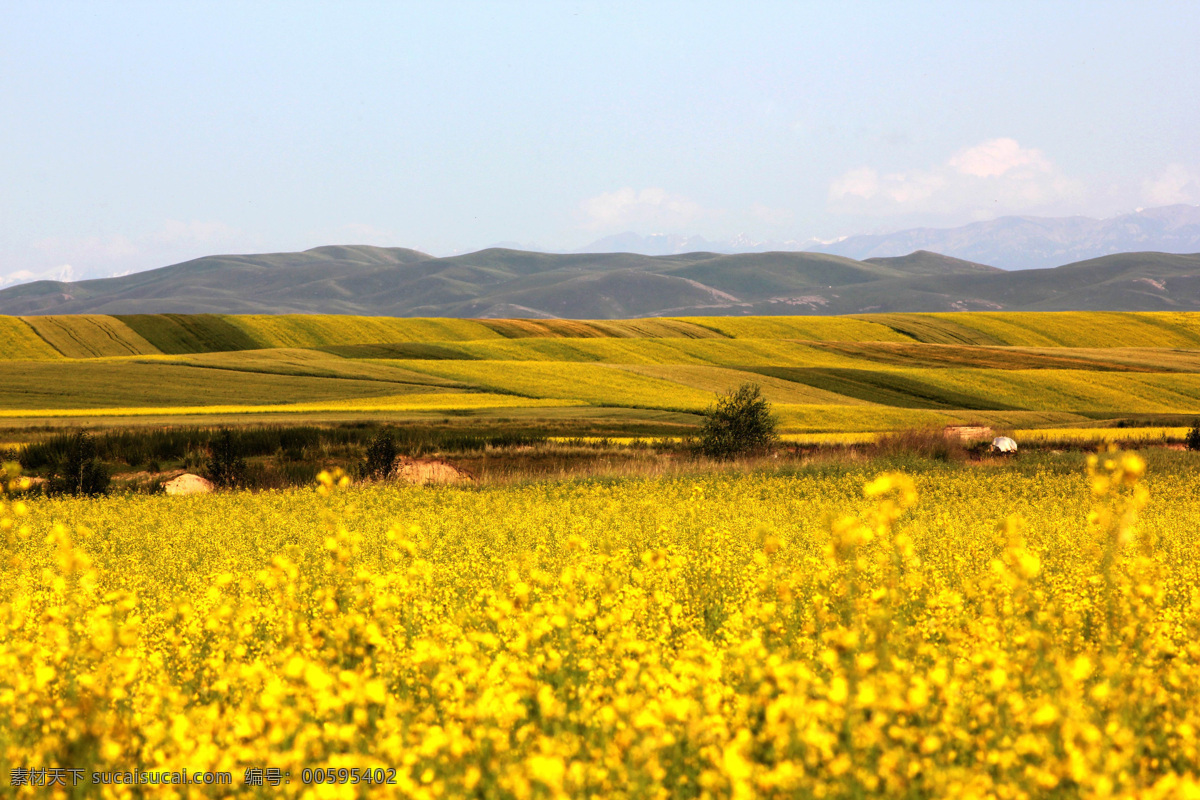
720, 379
987, 389
598, 384
761, 275
309, 363
822, 372
191, 333
587, 329
267, 283
912, 354
90, 336
125, 383
19, 342
1045, 329
903, 389
1127, 281
391, 407
1081, 329
819, 329
299, 330
723, 352
498, 282
924, 262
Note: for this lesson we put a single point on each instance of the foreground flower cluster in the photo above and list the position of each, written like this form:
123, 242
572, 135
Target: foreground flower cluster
740, 637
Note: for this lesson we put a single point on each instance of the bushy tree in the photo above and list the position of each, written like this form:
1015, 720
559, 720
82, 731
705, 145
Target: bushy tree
226, 467
1193, 436
740, 423
80, 472
381, 456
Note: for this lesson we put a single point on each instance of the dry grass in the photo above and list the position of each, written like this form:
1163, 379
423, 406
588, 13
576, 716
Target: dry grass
931, 443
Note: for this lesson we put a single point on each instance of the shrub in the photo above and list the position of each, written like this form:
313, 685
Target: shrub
1193, 436
381, 456
739, 423
226, 467
79, 472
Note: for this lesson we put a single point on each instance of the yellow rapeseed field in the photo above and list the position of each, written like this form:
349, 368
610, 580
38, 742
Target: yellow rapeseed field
961, 634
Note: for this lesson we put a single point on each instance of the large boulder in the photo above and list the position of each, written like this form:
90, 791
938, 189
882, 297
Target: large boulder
1003, 444
188, 484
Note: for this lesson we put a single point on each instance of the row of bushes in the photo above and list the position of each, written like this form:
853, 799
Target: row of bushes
192, 446
739, 423
80, 463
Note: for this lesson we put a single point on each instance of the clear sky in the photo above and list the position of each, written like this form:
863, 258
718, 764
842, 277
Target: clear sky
134, 135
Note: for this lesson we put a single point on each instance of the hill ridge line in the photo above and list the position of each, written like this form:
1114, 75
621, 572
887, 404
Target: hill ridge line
400, 282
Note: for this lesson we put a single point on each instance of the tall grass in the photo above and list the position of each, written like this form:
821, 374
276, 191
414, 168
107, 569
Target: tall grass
927, 443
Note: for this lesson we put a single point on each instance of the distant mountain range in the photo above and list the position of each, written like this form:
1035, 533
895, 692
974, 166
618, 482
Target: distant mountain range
1006, 242
514, 283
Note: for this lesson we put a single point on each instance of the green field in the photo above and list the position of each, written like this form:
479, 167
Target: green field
19, 342
823, 374
89, 336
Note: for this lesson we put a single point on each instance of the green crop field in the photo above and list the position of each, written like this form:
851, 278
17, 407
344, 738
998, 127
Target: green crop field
817, 329
298, 330
190, 333
823, 374
596, 384
718, 379
19, 342
123, 383
1048, 329
90, 336
599, 329
718, 352
306, 363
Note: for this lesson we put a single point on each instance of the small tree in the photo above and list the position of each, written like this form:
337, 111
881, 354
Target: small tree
381, 456
1193, 436
80, 472
226, 467
740, 423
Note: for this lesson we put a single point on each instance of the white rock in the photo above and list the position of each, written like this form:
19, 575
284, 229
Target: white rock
189, 484
1003, 444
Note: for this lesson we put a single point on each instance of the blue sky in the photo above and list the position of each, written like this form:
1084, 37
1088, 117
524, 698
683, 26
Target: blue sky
134, 135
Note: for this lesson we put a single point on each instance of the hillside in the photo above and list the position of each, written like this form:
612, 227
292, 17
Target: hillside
823, 373
501, 283
490, 283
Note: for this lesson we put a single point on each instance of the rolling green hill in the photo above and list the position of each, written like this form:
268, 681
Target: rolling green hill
499, 283
921, 262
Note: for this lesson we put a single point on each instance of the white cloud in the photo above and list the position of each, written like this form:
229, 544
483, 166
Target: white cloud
997, 157
64, 272
651, 208
1175, 184
996, 176
862, 182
